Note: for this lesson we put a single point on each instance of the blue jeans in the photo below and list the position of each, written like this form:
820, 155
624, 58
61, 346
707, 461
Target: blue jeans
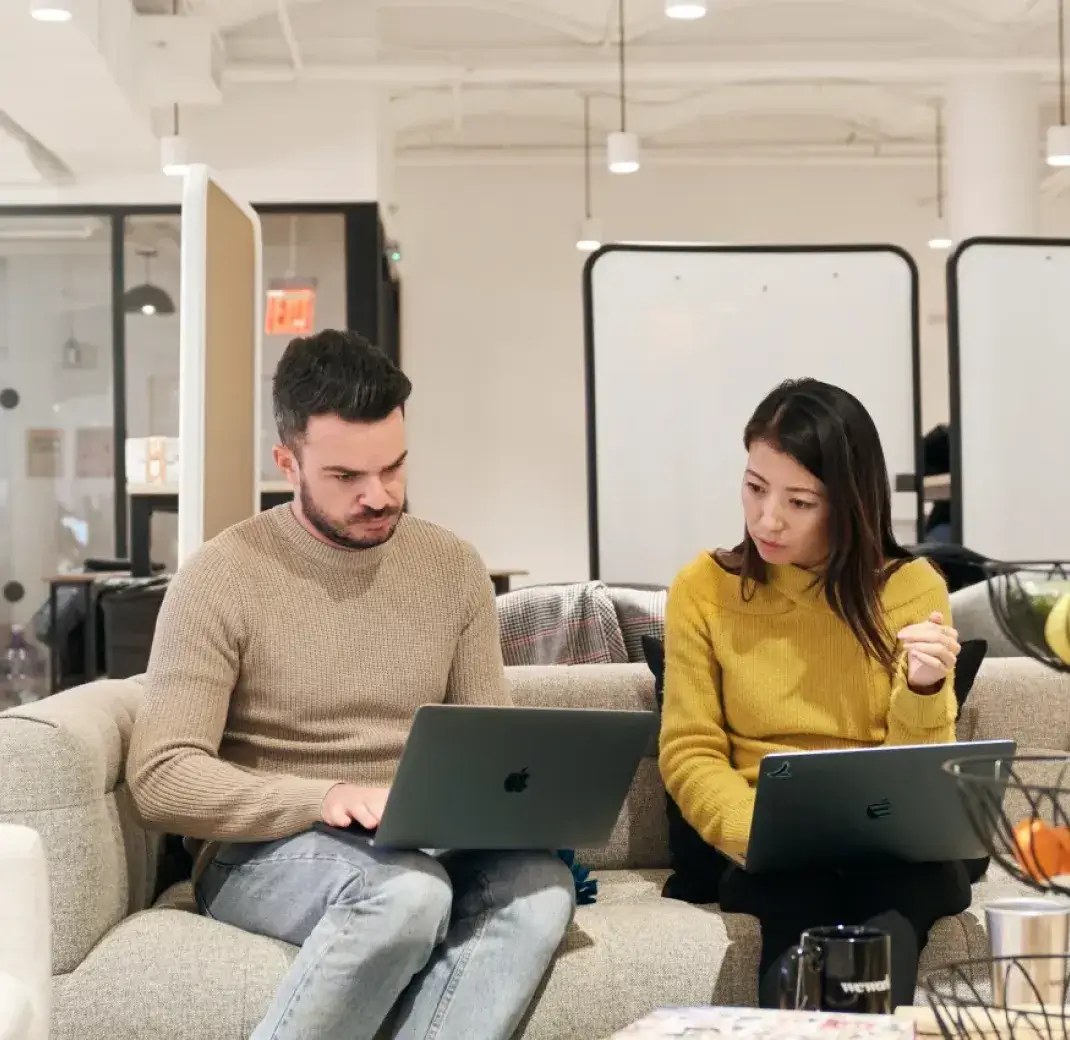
437, 947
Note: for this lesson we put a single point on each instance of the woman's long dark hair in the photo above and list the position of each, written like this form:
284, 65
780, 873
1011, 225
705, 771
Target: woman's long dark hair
830, 434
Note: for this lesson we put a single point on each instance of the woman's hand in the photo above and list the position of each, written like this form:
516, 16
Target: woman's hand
932, 649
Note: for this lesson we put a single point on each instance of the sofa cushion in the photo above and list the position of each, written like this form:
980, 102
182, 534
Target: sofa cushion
168, 972
639, 837
171, 973
560, 624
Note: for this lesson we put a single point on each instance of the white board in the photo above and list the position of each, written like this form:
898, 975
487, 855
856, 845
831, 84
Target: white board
1009, 357
683, 342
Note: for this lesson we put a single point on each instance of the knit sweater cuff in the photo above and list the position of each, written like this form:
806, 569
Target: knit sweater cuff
736, 825
919, 712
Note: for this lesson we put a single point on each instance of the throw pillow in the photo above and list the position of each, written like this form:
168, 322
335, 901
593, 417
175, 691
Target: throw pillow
971, 655
697, 866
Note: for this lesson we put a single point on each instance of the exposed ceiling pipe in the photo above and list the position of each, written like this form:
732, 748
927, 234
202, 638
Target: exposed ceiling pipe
642, 72
49, 165
283, 13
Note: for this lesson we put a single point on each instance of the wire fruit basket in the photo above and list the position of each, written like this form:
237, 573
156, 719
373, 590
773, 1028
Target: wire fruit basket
1031, 605
972, 1000
1019, 808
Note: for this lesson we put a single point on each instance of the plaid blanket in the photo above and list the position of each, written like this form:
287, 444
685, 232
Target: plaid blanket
640, 612
560, 624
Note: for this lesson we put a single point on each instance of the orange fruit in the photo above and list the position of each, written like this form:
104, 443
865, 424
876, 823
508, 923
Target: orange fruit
1043, 851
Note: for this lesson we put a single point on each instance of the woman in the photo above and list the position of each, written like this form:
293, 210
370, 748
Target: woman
818, 631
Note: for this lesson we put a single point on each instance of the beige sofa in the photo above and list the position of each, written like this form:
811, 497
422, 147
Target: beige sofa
128, 970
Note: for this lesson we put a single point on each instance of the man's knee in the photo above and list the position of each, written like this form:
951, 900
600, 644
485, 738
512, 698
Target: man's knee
540, 890
420, 898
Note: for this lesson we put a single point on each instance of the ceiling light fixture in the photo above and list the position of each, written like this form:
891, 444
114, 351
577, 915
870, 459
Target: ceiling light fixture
940, 238
1059, 136
590, 236
622, 146
147, 298
174, 153
174, 156
51, 10
686, 10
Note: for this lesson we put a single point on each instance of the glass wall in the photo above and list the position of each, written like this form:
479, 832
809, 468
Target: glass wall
57, 493
151, 267
301, 251
89, 347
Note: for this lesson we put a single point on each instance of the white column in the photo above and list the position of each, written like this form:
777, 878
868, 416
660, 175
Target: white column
993, 155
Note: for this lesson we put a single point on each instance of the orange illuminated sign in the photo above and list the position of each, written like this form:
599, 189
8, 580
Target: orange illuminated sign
290, 311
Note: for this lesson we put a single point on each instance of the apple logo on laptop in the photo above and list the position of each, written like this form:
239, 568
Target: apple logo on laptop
517, 782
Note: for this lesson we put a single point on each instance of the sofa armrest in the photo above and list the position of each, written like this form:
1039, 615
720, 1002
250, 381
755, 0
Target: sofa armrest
1018, 698
62, 762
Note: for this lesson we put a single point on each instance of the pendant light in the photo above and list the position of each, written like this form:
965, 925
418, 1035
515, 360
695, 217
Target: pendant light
590, 236
1059, 136
51, 10
622, 147
686, 10
940, 238
147, 299
174, 155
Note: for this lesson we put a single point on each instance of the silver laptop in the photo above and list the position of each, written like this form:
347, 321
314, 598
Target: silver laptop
830, 808
513, 778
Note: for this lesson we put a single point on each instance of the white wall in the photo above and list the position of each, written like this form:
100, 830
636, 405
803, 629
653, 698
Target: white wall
492, 320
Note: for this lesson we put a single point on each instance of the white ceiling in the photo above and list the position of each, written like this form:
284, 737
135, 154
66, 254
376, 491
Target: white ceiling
828, 80
754, 75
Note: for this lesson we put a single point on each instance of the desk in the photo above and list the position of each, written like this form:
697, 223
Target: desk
87, 582
146, 499
503, 579
936, 488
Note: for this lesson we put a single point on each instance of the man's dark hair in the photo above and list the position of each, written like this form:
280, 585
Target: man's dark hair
334, 373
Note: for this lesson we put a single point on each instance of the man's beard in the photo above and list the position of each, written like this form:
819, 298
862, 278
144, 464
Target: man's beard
338, 535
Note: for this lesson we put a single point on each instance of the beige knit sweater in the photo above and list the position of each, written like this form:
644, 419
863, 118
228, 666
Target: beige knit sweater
282, 665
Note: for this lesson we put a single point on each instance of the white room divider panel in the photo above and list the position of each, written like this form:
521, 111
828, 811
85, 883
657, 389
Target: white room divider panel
682, 342
219, 361
1009, 358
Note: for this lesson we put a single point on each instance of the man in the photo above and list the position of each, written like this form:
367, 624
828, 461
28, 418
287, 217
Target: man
290, 655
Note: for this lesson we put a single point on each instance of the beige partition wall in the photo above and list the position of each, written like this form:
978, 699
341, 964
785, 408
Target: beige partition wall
220, 357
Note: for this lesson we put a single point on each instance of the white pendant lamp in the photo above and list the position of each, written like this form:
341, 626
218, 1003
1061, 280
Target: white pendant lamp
51, 10
1059, 136
1059, 145
174, 155
940, 239
622, 151
590, 236
622, 146
686, 10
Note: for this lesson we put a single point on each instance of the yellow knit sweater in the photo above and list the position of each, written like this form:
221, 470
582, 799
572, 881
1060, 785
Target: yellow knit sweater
780, 672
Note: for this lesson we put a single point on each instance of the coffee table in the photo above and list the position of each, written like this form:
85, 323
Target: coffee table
712, 1023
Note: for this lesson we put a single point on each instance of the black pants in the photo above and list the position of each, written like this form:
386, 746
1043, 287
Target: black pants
903, 899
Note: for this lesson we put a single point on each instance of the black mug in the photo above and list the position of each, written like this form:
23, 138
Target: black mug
839, 968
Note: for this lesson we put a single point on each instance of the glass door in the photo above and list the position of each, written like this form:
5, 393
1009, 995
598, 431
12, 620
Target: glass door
57, 505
